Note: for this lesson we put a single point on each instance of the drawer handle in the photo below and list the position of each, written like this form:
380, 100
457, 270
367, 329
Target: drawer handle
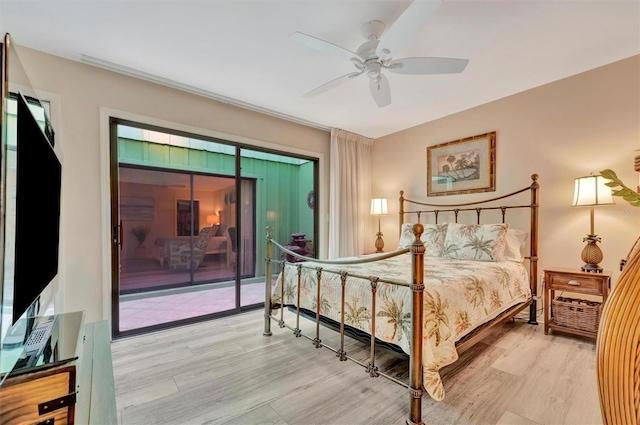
58, 403
574, 283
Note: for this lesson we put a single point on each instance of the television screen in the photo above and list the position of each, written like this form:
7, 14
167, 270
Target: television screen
37, 232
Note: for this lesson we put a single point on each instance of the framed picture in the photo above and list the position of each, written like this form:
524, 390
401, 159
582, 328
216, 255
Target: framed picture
230, 196
136, 208
462, 166
184, 217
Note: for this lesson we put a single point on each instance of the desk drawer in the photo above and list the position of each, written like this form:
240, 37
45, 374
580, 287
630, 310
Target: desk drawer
583, 284
46, 396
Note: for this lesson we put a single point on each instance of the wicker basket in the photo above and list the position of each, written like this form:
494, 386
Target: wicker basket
577, 314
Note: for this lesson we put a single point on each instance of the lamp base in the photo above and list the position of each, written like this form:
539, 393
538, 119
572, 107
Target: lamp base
591, 268
591, 255
379, 243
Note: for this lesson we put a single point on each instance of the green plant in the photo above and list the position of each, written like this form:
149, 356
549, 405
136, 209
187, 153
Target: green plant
625, 192
140, 232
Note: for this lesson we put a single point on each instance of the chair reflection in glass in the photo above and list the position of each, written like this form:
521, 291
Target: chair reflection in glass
231, 246
180, 255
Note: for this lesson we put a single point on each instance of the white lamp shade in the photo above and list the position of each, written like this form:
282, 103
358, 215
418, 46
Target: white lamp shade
213, 219
379, 206
591, 190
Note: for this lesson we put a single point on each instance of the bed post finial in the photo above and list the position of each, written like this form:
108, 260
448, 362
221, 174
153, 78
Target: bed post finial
418, 230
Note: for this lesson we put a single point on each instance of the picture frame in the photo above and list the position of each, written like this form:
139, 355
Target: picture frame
184, 215
462, 166
136, 208
230, 196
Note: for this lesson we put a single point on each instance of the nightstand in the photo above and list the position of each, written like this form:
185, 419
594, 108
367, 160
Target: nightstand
575, 282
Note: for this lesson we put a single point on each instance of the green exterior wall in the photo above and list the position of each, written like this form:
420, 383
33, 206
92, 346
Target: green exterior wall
281, 188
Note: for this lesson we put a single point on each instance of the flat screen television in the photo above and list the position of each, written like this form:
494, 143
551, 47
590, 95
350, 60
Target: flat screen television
37, 215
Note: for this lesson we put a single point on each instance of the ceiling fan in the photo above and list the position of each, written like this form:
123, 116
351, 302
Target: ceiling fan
376, 54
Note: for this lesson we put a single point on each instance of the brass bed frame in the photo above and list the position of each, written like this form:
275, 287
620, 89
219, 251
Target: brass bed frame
417, 250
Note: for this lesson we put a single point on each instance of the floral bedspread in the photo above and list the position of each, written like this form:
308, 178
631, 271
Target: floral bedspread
459, 296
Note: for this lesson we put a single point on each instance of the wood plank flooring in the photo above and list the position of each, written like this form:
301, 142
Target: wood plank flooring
225, 372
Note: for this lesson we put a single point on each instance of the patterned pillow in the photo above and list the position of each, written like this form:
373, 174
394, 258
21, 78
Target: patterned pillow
406, 236
480, 242
433, 238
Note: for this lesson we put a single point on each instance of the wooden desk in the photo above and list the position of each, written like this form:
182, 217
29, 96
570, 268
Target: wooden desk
77, 390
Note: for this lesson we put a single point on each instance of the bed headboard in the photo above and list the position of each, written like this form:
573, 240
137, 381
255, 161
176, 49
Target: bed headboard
411, 208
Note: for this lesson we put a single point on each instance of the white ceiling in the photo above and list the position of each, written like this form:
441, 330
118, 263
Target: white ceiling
240, 49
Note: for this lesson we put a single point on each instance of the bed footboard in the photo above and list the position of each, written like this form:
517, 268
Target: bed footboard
413, 293
415, 384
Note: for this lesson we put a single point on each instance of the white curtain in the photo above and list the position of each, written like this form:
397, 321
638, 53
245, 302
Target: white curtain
349, 193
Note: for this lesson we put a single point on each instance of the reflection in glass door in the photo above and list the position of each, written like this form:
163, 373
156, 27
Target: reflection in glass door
189, 230
177, 254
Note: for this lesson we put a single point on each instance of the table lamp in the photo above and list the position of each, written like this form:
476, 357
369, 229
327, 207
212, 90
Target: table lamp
591, 191
213, 219
379, 207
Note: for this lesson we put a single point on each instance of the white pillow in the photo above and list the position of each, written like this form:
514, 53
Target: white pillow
432, 237
515, 243
479, 242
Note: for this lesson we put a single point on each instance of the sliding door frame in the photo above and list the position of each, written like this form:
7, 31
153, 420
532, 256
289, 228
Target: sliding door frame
116, 228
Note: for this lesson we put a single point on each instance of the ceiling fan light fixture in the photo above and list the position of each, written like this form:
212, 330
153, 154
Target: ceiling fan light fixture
377, 51
373, 69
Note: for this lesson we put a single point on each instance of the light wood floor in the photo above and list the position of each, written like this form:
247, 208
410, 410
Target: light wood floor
226, 372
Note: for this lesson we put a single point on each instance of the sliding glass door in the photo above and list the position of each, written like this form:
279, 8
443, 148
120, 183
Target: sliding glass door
189, 226
285, 199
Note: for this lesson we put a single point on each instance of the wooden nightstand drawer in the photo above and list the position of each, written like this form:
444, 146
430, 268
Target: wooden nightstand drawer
583, 284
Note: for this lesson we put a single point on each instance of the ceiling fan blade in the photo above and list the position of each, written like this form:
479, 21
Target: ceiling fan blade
428, 65
323, 46
406, 27
331, 84
380, 91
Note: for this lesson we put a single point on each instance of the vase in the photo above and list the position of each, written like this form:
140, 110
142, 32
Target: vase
618, 349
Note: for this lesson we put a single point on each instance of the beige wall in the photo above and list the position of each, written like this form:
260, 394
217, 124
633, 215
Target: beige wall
87, 96
561, 131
